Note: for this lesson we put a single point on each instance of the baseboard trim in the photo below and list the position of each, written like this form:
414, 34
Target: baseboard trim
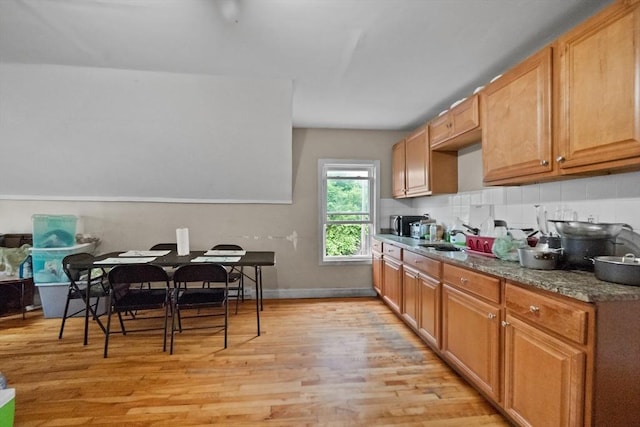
314, 293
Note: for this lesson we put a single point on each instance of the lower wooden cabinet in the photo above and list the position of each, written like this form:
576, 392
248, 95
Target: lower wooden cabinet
429, 290
392, 286
377, 264
410, 296
471, 338
543, 358
544, 377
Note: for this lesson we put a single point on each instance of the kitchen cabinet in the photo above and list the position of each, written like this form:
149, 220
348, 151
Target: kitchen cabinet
377, 264
417, 163
398, 170
421, 296
598, 63
471, 327
410, 296
424, 275
458, 127
392, 277
418, 171
543, 334
570, 109
543, 358
516, 123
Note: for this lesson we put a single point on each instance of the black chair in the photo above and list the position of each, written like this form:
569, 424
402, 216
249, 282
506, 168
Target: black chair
123, 298
208, 301
236, 274
164, 247
77, 290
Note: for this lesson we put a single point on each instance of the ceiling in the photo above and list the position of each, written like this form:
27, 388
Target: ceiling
358, 64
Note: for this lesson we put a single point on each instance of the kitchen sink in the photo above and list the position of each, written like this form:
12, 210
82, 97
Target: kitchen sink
445, 247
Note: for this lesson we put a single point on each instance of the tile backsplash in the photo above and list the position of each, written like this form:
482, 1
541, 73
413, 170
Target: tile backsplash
610, 198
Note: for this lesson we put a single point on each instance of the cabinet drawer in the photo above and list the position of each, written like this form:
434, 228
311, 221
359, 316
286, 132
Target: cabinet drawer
392, 251
564, 318
426, 265
376, 245
476, 283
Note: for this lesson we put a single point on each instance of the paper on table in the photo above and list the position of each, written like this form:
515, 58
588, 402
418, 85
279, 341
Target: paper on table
223, 252
145, 253
123, 260
216, 259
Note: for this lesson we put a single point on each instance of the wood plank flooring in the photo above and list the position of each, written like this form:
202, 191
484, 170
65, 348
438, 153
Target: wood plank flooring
318, 362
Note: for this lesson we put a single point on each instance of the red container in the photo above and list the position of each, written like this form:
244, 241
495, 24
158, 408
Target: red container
480, 244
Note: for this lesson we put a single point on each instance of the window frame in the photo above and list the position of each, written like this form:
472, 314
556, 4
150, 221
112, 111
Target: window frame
326, 165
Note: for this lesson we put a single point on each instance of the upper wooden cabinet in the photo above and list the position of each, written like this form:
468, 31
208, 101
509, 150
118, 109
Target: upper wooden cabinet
457, 128
586, 84
398, 174
417, 171
417, 163
598, 108
516, 123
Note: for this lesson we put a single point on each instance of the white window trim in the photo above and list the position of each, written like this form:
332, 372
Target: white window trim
375, 196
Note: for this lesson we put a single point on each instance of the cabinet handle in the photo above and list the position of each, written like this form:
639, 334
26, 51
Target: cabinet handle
463, 280
544, 163
491, 316
504, 323
560, 159
534, 309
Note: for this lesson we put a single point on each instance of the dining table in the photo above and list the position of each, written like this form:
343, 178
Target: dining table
171, 258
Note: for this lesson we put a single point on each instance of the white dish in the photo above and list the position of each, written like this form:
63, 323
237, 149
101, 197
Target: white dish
458, 102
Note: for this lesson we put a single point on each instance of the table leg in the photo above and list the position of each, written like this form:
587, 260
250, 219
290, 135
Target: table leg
86, 308
24, 309
258, 302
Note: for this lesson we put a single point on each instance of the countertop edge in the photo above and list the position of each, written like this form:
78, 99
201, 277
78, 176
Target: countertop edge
579, 285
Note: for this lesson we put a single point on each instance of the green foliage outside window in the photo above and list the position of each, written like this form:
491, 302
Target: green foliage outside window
347, 199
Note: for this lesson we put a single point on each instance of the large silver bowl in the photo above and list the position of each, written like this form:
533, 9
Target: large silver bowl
588, 230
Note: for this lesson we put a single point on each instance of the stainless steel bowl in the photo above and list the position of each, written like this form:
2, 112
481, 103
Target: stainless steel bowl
588, 230
539, 259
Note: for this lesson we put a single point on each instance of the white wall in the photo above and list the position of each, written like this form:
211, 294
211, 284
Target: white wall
289, 230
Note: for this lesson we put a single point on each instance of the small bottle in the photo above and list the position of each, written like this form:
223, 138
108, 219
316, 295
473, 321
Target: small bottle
433, 232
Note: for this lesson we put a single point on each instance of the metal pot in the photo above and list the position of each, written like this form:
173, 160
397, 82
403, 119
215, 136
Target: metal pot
539, 259
580, 251
588, 230
624, 270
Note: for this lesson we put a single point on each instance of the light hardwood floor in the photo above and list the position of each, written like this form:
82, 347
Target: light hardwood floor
337, 362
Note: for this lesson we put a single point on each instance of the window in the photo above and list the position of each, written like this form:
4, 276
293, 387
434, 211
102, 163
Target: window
348, 192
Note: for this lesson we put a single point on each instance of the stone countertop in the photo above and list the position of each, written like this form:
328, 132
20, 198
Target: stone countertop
580, 285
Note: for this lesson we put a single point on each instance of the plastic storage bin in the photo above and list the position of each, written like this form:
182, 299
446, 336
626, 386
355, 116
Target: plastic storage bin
7, 407
54, 231
47, 263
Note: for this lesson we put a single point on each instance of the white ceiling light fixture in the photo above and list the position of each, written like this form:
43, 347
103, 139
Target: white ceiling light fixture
230, 10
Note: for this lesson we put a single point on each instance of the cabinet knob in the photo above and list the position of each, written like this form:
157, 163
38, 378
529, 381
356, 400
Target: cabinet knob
560, 159
544, 163
491, 316
504, 323
463, 280
534, 309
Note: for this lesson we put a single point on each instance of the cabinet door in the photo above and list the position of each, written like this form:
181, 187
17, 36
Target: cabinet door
417, 163
392, 286
377, 265
544, 377
429, 310
465, 117
516, 123
471, 339
599, 92
410, 296
439, 129
398, 175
